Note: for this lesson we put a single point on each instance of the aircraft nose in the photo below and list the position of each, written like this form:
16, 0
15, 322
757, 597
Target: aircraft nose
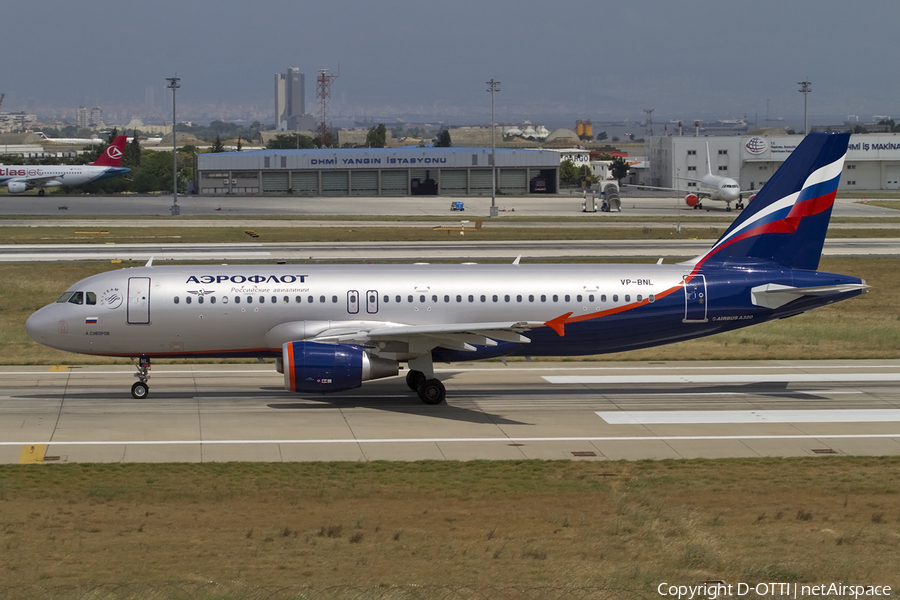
41, 325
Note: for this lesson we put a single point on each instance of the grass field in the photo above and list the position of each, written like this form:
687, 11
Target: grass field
864, 327
531, 523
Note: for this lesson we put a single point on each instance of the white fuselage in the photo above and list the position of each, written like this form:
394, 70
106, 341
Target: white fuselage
720, 188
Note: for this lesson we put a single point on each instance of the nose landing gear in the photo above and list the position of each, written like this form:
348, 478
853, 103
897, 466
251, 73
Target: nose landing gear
140, 389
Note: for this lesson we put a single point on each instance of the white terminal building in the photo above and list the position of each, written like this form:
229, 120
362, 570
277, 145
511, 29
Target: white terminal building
404, 171
872, 163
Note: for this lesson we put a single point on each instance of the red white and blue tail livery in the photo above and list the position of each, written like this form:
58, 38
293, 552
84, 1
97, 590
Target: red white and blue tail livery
331, 327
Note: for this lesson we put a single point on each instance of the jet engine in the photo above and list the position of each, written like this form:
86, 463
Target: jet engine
692, 200
17, 187
323, 368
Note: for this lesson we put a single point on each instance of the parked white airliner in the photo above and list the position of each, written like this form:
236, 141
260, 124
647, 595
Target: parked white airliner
712, 187
331, 327
21, 178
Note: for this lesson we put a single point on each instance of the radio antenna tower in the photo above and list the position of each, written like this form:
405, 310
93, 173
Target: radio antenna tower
323, 93
648, 131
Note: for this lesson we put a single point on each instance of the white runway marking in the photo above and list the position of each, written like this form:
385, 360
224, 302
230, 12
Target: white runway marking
727, 379
682, 417
505, 440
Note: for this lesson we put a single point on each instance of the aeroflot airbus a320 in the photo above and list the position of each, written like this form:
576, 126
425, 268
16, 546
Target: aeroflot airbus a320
332, 327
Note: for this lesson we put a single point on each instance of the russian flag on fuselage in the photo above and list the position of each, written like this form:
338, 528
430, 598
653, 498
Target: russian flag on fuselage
787, 220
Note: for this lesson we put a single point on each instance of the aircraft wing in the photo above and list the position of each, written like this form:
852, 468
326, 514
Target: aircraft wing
456, 336
33, 182
666, 189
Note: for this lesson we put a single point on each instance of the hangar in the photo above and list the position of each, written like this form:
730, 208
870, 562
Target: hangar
405, 171
872, 163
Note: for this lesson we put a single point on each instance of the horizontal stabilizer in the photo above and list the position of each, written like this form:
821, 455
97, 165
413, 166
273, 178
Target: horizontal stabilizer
773, 295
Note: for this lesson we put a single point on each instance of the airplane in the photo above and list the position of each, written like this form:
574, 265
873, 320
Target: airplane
713, 187
331, 327
21, 178
71, 141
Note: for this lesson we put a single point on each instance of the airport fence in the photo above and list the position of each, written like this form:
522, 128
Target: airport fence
236, 591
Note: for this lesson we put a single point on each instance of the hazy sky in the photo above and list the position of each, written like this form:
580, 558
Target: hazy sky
580, 59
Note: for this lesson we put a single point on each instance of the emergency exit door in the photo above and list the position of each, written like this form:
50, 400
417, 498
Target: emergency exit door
139, 300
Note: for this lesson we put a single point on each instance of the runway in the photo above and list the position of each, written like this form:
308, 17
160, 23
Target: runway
539, 410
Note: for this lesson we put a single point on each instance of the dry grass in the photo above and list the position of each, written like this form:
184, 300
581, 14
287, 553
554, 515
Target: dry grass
589, 524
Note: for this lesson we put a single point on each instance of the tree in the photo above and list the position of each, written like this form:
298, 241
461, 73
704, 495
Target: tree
288, 141
568, 172
217, 146
443, 139
619, 168
240, 145
377, 136
601, 136
131, 158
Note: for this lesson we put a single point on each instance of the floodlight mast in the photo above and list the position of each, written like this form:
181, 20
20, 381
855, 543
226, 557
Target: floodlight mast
494, 88
174, 85
805, 89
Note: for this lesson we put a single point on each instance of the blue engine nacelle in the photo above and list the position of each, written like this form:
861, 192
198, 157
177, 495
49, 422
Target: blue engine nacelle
323, 368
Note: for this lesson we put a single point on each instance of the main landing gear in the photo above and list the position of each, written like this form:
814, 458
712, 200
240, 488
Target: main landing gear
140, 390
430, 391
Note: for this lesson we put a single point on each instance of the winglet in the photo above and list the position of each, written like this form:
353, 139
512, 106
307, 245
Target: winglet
559, 324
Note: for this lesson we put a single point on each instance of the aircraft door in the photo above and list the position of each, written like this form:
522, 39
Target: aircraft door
695, 299
353, 302
138, 300
371, 302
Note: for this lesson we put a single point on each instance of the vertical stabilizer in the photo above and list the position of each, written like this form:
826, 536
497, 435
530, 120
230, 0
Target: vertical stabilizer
786, 221
112, 156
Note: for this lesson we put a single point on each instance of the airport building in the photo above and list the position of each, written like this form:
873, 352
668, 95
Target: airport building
405, 171
872, 163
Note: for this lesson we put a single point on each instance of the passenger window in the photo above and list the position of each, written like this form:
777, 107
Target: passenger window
287, 299
471, 298
458, 298
640, 298
603, 298
386, 299
434, 297
399, 299
531, 297
483, 298
494, 298
615, 297
506, 298
249, 299
224, 299
543, 297
237, 299
591, 298
334, 299
422, 298
275, 299
577, 298
409, 299
187, 300
177, 300
310, 299
77, 298
555, 298
567, 297
651, 298
446, 298
518, 297
91, 298
627, 297
298, 299
322, 299
262, 299
200, 300
212, 299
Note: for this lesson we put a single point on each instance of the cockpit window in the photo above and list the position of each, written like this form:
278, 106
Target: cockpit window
77, 298
65, 297
90, 297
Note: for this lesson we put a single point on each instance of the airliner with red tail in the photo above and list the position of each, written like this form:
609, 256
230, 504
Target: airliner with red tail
21, 178
331, 327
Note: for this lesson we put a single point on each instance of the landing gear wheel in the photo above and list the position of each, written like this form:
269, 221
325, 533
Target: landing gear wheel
413, 379
139, 390
432, 391
728, 208
40, 192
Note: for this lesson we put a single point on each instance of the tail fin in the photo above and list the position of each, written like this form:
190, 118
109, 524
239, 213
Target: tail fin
112, 156
787, 220
708, 160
